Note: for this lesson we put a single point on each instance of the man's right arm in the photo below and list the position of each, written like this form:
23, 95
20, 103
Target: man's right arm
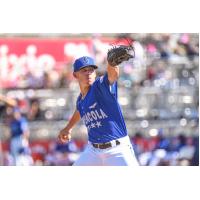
64, 135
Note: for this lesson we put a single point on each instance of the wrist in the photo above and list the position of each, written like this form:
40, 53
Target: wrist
67, 129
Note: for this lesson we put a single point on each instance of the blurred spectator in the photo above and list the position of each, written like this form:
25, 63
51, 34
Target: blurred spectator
19, 131
1, 154
24, 158
8, 159
63, 154
34, 111
195, 159
187, 149
181, 150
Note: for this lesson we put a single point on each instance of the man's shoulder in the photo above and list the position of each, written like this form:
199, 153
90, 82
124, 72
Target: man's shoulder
79, 97
23, 119
100, 79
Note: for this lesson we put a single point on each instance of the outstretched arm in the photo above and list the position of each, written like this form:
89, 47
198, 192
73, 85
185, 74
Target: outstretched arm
113, 73
64, 135
115, 56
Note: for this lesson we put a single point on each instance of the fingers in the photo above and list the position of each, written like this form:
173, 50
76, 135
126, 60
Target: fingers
64, 137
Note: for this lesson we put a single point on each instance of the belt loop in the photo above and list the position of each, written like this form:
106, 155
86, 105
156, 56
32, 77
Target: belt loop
113, 143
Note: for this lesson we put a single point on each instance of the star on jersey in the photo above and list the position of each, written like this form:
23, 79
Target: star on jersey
94, 125
98, 124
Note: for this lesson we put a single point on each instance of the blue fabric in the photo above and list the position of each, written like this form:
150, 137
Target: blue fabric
101, 112
18, 127
83, 62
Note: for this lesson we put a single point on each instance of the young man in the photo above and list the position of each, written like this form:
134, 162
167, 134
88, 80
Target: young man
97, 105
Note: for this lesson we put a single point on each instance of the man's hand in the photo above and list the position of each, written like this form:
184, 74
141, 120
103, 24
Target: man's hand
118, 54
64, 135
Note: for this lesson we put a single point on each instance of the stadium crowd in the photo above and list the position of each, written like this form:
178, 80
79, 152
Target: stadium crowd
150, 151
158, 92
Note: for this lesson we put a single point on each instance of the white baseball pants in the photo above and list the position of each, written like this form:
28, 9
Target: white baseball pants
120, 155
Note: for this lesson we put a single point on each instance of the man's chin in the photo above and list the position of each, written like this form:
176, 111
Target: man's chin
90, 82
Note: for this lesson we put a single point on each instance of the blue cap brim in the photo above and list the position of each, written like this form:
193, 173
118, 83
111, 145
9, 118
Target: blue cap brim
94, 66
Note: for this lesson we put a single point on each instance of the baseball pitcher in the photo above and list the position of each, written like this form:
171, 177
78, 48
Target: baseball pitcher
97, 105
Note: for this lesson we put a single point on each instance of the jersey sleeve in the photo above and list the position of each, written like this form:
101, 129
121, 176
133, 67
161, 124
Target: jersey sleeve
104, 85
24, 125
77, 103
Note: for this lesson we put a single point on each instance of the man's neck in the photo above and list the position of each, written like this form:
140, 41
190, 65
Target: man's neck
84, 91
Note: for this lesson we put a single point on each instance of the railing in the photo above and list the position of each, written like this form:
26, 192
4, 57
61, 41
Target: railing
50, 129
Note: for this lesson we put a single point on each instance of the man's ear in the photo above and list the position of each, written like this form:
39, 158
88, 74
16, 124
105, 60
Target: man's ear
74, 74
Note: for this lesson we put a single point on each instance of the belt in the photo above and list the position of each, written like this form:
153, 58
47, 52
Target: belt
106, 145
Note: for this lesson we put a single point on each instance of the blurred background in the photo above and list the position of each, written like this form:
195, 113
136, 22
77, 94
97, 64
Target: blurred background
158, 93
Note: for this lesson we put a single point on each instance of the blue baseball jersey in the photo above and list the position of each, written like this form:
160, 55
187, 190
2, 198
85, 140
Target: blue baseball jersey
18, 127
101, 112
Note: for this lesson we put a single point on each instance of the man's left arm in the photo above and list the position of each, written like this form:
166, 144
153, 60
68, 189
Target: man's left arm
113, 73
115, 56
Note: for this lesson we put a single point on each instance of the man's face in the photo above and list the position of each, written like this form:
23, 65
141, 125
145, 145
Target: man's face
86, 76
17, 115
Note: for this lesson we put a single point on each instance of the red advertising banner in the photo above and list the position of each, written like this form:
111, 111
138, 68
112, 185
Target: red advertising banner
22, 57
57, 48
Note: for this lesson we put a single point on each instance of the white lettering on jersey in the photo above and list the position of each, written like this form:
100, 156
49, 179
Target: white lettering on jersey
103, 114
94, 115
99, 116
89, 116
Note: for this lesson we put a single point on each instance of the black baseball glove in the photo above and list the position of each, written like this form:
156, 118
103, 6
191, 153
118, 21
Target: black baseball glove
117, 54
